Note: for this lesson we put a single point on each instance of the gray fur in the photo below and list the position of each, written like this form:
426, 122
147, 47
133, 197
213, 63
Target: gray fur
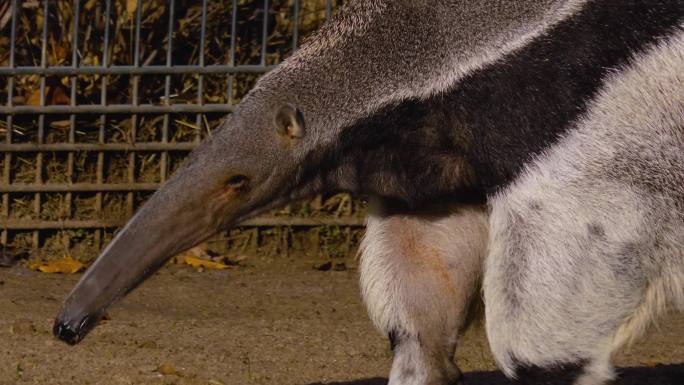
586, 272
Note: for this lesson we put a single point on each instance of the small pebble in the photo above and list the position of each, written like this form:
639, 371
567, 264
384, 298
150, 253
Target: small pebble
167, 369
324, 267
7, 259
340, 266
120, 379
147, 344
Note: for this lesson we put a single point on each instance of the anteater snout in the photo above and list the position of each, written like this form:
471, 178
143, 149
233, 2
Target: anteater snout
72, 333
65, 333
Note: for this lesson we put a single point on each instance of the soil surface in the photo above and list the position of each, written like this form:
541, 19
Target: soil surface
271, 321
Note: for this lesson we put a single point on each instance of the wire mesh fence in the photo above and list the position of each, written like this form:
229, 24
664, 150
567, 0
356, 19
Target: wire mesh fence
100, 101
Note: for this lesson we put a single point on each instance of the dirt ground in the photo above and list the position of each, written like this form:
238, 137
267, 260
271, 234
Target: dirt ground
271, 321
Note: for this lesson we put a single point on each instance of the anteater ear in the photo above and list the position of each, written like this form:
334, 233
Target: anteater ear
289, 122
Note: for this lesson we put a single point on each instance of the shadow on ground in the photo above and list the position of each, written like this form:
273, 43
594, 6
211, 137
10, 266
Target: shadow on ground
369, 381
658, 375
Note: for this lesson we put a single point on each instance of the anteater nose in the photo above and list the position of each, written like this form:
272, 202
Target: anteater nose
65, 332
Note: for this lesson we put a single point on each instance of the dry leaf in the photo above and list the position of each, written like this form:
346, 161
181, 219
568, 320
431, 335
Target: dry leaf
131, 6
199, 262
60, 124
58, 96
34, 98
90, 4
59, 52
66, 265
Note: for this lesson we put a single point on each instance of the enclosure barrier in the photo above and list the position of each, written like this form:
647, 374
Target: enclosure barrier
109, 85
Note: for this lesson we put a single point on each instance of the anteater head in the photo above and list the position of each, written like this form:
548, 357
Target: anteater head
253, 162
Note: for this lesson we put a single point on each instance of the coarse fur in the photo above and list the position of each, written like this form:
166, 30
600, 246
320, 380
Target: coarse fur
425, 103
419, 274
587, 247
475, 137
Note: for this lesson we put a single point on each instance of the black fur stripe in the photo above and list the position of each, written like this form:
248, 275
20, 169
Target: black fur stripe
520, 105
498, 118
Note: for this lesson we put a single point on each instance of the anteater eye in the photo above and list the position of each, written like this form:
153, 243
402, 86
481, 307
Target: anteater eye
237, 182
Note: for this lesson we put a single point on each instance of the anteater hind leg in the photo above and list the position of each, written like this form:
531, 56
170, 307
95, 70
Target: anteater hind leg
419, 273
